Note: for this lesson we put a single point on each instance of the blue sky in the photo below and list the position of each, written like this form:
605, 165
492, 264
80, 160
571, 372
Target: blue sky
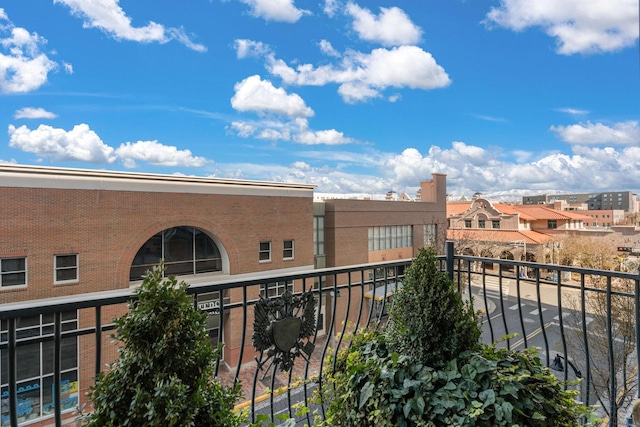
506, 97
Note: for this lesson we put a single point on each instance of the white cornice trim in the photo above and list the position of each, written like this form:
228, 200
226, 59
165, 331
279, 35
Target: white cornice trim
85, 179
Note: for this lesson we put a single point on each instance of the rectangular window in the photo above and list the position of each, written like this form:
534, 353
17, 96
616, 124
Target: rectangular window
287, 249
390, 237
495, 224
13, 272
66, 268
265, 251
467, 223
35, 367
481, 223
318, 235
276, 289
552, 224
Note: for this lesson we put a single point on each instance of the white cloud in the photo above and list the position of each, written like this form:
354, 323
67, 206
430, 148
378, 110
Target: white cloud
272, 130
260, 96
330, 7
108, 16
68, 68
490, 118
522, 156
78, 144
392, 27
249, 48
275, 10
84, 145
327, 48
579, 26
155, 153
23, 67
244, 129
296, 130
468, 168
34, 113
573, 111
363, 76
394, 98
327, 137
623, 133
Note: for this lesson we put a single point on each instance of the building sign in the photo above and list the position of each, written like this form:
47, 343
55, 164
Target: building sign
211, 306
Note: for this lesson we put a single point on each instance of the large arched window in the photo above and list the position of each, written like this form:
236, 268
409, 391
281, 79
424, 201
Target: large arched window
185, 250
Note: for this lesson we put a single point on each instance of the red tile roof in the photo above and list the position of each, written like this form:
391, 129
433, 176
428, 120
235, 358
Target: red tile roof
540, 212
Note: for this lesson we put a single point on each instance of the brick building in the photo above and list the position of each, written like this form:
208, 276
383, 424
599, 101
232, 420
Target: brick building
69, 231
66, 232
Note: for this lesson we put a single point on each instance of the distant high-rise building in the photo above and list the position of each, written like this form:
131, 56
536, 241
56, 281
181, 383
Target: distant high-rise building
610, 200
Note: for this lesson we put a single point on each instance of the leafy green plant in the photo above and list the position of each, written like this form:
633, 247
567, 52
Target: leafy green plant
373, 386
429, 322
428, 369
164, 373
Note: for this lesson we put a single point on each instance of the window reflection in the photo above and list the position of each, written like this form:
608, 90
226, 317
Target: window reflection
185, 250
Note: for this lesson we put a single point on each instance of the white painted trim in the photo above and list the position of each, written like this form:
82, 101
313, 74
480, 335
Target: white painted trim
83, 179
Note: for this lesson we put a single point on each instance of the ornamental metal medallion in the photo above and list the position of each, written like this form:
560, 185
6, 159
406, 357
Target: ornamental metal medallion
282, 328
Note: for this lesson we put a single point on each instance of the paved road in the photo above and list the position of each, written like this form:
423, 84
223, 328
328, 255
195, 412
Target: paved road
536, 323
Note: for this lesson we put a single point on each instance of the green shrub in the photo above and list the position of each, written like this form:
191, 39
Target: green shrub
164, 373
428, 369
373, 386
429, 322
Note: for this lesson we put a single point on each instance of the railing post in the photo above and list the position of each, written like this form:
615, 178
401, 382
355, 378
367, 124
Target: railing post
448, 254
629, 420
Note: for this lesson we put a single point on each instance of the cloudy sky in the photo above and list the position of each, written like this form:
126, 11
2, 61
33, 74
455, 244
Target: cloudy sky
504, 96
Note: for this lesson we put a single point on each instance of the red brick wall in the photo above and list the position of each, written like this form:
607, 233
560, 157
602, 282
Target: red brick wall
106, 229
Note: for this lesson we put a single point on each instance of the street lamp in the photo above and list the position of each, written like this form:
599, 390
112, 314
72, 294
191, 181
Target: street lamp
554, 245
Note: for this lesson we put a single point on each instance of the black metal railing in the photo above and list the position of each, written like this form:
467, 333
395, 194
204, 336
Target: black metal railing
584, 321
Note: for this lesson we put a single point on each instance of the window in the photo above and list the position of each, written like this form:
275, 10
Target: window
390, 237
185, 250
270, 290
13, 272
265, 252
495, 224
35, 366
467, 223
318, 235
481, 223
287, 249
552, 224
430, 234
66, 268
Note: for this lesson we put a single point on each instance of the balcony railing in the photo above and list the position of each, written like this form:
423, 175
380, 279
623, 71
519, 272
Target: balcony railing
584, 322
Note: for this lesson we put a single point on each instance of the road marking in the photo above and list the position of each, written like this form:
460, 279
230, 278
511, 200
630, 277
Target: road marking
492, 287
536, 312
531, 335
564, 316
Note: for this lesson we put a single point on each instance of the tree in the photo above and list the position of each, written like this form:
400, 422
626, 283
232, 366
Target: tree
429, 321
164, 373
601, 254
